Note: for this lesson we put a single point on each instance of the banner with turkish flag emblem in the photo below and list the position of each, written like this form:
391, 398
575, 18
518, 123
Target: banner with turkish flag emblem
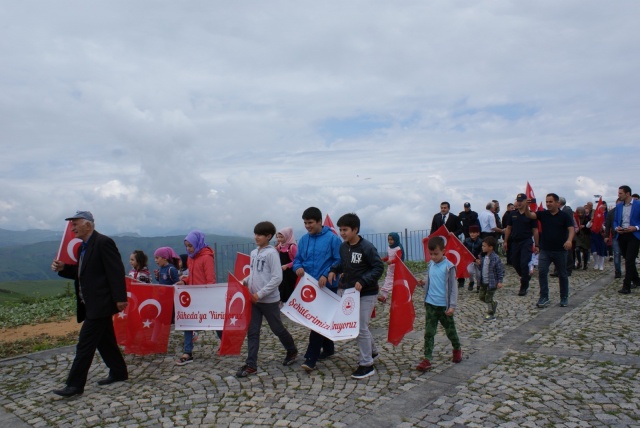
237, 317
68, 251
459, 255
145, 325
441, 231
242, 267
323, 311
402, 313
598, 217
329, 224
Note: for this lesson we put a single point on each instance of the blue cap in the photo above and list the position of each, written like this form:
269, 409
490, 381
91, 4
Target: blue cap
81, 214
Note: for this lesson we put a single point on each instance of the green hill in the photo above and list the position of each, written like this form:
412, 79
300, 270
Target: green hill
32, 262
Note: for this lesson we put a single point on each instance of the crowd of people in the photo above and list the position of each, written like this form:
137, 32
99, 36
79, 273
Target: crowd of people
529, 237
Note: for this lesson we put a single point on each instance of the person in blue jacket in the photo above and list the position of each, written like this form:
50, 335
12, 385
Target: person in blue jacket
318, 250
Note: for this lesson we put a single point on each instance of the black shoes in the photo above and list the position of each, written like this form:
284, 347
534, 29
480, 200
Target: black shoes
522, 292
68, 391
112, 379
624, 290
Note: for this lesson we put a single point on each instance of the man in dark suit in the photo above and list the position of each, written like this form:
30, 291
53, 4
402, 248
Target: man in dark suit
626, 224
100, 293
451, 221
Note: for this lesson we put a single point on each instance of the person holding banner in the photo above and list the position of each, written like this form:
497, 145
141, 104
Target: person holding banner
318, 250
264, 278
101, 291
361, 267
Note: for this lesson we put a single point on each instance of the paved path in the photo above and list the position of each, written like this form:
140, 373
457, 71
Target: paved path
574, 366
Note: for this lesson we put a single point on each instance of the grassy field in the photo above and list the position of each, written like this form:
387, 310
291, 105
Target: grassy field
29, 291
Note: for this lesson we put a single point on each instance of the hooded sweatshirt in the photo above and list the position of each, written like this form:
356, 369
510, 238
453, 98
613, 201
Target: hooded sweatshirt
265, 275
201, 269
317, 253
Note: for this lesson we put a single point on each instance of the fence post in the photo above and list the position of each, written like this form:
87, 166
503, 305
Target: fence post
216, 265
406, 245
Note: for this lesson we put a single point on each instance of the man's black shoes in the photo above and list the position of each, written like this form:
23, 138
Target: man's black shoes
111, 379
68, 391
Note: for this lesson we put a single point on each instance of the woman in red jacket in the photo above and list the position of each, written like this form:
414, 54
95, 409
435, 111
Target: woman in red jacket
201, 271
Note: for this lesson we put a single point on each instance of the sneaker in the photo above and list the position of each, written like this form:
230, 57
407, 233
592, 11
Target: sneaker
457, 355
308, 366
618, 275
245, 371
363, 371
625, 290
424, 366
494, 306
489, 317
184, 360
374, 355
382, 299
564, 302
471, 285
460, 283
324, 355
543, 302
522, 292
290, 357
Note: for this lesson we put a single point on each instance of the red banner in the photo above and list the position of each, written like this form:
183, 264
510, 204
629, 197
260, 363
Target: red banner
459, 255
69, 245
402, 313
329, 224
144, 326
598, 218
237, 317
441, 231
243, 266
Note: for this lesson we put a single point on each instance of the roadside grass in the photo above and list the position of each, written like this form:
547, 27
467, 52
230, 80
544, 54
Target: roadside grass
36, 344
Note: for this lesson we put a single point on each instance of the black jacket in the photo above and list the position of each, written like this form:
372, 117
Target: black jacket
359, 263
101, 277
453, 223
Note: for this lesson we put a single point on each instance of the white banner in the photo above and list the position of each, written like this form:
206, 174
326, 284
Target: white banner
200, 307
321, 310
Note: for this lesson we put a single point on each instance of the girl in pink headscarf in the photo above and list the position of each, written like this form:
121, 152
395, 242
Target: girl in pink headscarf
287, 249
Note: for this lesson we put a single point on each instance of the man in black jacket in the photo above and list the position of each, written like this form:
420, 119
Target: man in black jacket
468, 217
451, 221
100, 292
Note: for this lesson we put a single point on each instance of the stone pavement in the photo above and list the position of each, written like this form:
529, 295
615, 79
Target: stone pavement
574, 366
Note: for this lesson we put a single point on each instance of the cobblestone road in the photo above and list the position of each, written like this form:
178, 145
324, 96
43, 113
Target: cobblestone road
574, 366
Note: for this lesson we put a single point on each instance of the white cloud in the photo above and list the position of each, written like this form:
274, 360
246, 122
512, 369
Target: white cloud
158, 117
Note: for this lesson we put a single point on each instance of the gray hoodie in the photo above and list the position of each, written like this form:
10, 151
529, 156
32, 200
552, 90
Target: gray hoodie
265, 275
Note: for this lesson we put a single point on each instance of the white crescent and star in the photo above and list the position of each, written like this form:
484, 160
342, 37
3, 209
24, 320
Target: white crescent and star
457, 254
153, 302
70, 247
238, 295
246, 269
304, 292
184, 299
406, 284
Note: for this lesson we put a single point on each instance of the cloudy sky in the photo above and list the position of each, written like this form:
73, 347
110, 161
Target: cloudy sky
169, 115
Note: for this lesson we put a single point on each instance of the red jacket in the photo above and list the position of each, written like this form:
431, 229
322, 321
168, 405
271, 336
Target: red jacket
201, 268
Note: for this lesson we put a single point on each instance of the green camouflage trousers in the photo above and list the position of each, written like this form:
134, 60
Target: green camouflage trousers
486, 295
433, 316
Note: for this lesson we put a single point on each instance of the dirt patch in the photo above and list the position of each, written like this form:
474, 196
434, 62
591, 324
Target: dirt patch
53, 329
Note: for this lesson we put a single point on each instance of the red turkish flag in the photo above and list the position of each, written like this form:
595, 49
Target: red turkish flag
530, 195
68, 251
441, 231
598, 218
329, 224
144, 326
402, 313
242, 266
459, 255
237, 317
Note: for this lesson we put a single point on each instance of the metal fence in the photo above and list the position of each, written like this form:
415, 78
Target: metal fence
411, 240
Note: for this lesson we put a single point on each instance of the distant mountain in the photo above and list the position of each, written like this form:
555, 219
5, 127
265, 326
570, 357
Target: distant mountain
24, 257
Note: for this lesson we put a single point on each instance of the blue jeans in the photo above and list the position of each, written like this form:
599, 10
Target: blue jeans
617, 258
559, 259
188, 342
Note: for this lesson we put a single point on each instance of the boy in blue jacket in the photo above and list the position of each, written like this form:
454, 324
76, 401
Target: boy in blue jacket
318, 250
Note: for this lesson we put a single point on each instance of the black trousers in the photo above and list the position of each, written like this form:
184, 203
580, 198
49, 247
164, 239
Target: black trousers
521, 252
629, 247
96, 334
